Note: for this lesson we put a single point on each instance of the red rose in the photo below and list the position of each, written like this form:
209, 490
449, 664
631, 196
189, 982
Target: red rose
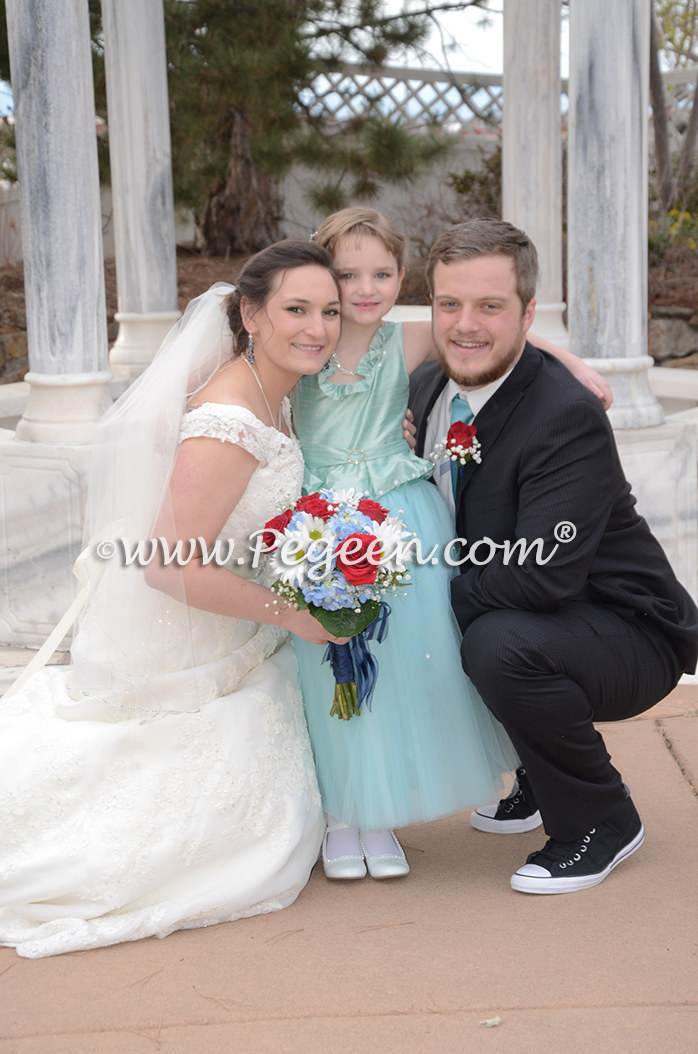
460, 434
372, 509
277, 523
358, 565
314, 505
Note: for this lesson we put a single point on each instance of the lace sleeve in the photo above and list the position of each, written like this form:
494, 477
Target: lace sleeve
230, 424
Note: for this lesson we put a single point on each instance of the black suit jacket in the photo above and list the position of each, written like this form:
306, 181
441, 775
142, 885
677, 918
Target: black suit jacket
548, 456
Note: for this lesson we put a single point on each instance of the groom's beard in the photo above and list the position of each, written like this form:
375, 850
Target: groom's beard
477, 378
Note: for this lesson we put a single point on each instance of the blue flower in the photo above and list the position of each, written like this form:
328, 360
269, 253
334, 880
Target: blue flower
332, 593
342, 524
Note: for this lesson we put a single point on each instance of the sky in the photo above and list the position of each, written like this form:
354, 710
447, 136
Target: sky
5, 99
469, 40
474, 40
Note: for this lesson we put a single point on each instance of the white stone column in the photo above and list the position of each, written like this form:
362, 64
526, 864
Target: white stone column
607, 200
607, 263
141, 177
43, 465
532, 146
61, 220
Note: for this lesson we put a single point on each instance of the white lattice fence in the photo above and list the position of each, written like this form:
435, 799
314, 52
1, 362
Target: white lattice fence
462, 101
418, 96
681, 86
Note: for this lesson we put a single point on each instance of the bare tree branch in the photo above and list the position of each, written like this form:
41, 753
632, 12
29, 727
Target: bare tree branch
661, 124
330, 28
690, 139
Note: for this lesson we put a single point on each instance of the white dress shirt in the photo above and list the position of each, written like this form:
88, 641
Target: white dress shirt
439, 422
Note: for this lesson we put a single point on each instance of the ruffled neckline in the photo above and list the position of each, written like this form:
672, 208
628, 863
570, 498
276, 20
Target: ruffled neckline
366, 366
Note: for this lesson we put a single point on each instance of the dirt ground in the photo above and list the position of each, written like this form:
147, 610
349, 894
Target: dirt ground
668, 286
675, 285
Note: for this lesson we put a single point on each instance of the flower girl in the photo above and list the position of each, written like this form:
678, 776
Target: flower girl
428, 746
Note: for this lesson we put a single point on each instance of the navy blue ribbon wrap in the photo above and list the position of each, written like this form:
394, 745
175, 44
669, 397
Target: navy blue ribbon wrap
354, 661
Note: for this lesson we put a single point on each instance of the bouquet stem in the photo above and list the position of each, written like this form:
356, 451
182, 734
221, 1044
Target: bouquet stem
346, 701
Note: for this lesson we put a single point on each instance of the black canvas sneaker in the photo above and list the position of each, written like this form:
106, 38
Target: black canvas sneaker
565, 867
511, 815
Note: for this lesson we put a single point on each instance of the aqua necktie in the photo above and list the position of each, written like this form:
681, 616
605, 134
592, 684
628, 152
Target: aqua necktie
460, 411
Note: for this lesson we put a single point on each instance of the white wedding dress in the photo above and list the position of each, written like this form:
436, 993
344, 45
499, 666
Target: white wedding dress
115, 825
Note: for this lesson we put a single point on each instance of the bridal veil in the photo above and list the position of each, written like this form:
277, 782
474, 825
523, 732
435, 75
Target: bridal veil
135, 643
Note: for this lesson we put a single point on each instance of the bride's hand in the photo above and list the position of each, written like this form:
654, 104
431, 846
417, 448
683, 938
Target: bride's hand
304, 625
592, 380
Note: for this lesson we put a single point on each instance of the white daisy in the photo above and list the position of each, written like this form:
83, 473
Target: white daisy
349, 497
304, 544
390, 533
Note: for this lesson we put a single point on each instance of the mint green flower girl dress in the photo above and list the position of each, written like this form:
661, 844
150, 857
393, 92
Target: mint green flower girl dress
429, 746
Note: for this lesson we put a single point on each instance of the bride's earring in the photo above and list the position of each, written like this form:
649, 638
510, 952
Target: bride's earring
250, 349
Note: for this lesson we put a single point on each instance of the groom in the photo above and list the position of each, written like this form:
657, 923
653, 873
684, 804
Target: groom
600, 631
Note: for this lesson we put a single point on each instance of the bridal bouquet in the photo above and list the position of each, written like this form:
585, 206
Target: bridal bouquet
337, 555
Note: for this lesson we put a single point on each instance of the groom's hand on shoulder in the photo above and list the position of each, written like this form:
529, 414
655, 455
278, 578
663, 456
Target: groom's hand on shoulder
409, 430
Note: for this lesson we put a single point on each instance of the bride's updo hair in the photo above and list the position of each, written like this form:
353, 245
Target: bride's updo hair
256, 280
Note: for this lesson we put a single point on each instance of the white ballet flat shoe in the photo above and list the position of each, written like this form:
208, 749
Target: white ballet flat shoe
386, 865
345, 867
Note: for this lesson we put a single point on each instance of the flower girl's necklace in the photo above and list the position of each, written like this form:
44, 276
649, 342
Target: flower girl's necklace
264, 396
342, 369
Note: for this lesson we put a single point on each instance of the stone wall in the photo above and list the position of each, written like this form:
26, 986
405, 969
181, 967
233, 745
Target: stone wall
673, 336
422, 208
14, 357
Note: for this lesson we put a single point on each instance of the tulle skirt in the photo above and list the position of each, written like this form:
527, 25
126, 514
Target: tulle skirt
429, 746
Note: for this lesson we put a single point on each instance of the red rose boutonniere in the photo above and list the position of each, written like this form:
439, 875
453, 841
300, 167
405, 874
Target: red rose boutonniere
460, 445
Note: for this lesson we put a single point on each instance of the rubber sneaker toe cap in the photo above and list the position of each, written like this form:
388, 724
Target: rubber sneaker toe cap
533, 871
488, 810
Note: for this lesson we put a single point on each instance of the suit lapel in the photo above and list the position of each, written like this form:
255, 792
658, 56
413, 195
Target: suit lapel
430, 384
497, 411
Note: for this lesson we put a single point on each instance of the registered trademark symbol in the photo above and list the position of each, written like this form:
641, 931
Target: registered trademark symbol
565, 531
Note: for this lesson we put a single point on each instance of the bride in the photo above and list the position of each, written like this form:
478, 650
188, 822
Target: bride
165, 780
